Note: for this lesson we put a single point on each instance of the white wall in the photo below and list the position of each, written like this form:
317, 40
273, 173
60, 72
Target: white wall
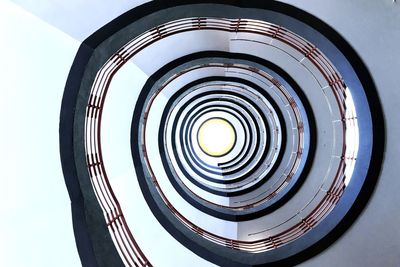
35, 224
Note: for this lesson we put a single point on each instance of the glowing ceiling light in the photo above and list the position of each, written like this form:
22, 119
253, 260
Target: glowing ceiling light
216, 137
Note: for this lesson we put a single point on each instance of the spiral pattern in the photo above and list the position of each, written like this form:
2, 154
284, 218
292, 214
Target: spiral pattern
270, 134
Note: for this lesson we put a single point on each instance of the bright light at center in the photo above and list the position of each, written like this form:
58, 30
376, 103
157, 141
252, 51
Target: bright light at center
216, 137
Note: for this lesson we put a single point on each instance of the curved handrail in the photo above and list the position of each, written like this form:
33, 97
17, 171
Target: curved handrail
125, 243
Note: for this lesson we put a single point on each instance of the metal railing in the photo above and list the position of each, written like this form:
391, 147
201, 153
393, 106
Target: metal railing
299, 123
122, 237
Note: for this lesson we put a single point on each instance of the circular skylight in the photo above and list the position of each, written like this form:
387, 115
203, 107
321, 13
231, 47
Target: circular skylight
216, 137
